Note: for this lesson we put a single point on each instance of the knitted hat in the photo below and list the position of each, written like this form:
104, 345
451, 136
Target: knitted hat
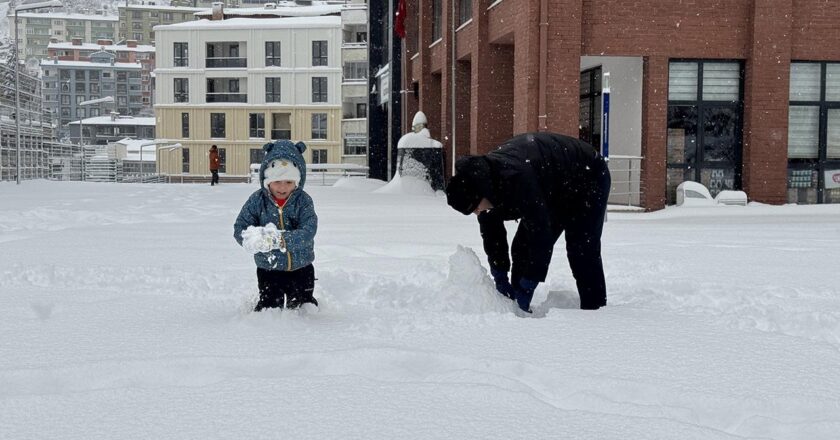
281, 169
469, 185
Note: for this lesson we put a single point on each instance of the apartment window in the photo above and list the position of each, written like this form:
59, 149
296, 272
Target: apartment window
256, 155
319, 156
80, 75
355, 70
185, 125
437, 21
256, 125
65, 99
355, 145
182, 90
464, 11
319, 53
272, 90
814, 133
167, 16
705, 114
272, 53
181, 55
217, 125
136, 15
361, 110
222, 160
281, 126
319, 89
185, 160
319, 126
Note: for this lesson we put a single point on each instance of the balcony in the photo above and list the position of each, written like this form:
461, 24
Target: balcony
225, 62
226, 97
354, 16
354, 89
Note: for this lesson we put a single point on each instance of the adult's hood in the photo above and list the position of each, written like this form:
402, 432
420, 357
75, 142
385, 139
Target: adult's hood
287, 150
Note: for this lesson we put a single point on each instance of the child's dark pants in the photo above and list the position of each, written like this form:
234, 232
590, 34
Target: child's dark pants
285, 289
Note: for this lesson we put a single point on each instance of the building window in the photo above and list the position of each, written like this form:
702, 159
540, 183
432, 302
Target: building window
217, 125
464, 11
361, 110
705, 114
256, 155
437, 20
256, 125
814, 133
319, 126
182, 90
355, 145
185, 125
181, 55
319, 156
319, 89
319, 53
272, 53
185, 160
589, 127
281, 126
224, 90
272, 90
222, 160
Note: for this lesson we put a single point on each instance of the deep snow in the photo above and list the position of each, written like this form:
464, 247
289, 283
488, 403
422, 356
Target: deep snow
123, 315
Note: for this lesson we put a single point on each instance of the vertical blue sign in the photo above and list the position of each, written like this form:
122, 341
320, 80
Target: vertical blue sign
605, 116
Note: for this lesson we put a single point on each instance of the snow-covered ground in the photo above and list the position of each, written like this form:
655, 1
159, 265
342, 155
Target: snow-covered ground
122, 316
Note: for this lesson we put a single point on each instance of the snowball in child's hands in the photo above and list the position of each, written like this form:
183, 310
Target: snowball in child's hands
253, 240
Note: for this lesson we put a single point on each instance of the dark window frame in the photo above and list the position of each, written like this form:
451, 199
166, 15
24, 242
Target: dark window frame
320, 53
181, 54
273, 53
185, 125
320, 132
319, 89
217, 125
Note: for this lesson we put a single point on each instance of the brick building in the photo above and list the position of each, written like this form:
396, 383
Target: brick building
734, 94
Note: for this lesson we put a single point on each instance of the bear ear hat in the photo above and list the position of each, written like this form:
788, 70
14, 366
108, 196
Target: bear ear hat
267, 147
301, 147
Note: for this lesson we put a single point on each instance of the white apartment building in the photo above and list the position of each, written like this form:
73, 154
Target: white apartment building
242, 82
354, 91
37, 29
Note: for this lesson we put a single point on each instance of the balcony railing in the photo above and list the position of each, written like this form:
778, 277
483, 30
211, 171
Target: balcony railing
227, 97
226, 62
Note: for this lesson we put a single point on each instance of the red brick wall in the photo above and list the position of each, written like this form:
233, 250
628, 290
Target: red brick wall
815, 31
654, 129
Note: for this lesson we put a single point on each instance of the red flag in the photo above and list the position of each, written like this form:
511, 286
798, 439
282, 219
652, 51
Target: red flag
399, 25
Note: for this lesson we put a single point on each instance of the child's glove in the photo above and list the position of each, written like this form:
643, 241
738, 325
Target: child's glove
257, 239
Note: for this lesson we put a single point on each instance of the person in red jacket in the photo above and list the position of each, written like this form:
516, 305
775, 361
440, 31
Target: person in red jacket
214, 165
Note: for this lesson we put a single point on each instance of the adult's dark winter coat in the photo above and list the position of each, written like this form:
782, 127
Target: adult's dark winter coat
549, 183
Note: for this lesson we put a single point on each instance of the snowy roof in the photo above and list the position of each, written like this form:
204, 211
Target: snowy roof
94, 46
121, 120
66, 16
280, 11
256, 23
163, 8
47, 63
132, 148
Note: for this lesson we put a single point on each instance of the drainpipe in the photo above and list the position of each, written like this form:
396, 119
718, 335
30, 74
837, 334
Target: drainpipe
543, 117
452, 98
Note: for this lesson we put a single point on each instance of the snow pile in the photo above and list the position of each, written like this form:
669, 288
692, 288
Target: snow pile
407, 185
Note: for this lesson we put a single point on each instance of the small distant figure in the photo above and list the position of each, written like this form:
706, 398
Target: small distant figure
277, 224
214, 165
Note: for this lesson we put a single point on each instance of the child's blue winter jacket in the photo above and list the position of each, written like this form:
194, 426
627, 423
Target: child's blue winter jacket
297, 216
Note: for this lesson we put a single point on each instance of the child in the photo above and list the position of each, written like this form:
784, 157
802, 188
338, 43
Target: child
278, 224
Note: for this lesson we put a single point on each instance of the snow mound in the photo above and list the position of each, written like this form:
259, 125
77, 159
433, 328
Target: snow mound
407, 185
359, 184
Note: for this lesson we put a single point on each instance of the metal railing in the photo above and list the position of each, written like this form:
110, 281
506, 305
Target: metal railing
225, 62
626, 173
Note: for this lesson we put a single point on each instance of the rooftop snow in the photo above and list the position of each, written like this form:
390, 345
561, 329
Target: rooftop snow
122, 120
66, 16
47, 63
256, 23
280, 11
94, 46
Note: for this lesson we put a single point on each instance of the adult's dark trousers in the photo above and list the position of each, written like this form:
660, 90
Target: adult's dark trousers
214, 179
285, 289
582, 219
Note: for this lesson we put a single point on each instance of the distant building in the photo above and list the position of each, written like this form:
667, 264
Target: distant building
102, 130
136, 21
241, 82
38, 29
35, 131
131, 52
69, 83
